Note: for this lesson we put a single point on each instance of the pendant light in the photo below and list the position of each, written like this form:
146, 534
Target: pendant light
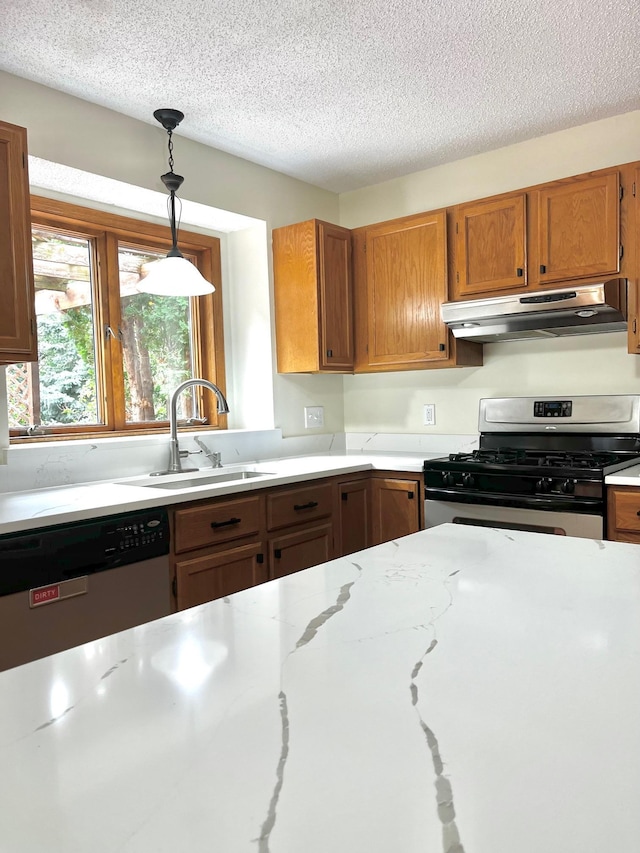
173, 275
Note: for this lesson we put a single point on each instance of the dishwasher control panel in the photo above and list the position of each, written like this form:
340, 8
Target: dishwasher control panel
51, 555
138, 533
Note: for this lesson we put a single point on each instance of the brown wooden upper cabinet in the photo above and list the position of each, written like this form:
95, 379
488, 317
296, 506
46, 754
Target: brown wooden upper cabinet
313, 298
576, 228
563, 231
633, 263
490, 246
400, 281
18, 340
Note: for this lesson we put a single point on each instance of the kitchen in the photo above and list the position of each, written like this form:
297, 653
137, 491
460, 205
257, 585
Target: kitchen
390, 405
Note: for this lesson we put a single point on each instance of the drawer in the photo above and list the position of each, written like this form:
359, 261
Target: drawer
295, 506
204, 525
624, 536
626, 510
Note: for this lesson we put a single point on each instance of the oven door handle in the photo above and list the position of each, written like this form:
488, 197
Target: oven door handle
554, 504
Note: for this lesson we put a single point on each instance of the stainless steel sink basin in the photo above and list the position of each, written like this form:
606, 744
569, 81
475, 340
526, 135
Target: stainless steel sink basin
210, 480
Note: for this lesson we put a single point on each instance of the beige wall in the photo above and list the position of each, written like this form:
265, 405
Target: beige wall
597, 364
67, 130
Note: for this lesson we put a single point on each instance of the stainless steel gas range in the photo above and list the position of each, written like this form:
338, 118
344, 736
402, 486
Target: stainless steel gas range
540, 466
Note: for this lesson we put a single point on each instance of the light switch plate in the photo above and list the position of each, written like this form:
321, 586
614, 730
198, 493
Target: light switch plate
430, 414
313, 417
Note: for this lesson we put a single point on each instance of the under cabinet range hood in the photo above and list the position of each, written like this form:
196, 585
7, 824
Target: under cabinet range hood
581, 310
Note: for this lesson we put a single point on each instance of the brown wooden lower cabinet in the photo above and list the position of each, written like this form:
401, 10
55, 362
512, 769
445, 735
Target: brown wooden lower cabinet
300, 549
210, 576
222, 546
353, 516
623, 514
395, 508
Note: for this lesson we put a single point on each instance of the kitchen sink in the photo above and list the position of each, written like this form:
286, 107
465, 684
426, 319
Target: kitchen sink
190, 482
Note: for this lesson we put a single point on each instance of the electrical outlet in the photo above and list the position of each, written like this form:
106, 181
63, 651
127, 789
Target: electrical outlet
313, 417
430, 414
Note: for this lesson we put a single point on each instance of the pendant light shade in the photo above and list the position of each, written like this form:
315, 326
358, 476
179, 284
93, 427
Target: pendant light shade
173, 275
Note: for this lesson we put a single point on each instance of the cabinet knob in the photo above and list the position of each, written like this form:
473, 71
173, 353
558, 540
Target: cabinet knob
277, 553
259, 558
543, 268
410, 495
329, 353
520, 272
345, 496
441, 347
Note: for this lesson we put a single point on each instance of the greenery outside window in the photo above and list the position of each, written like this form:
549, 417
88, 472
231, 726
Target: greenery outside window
109, 355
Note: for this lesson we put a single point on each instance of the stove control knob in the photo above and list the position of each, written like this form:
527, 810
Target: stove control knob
568, 487
468, 480
543, 485
448, 478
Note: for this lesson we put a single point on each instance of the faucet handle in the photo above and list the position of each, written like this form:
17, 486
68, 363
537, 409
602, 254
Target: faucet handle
216, 458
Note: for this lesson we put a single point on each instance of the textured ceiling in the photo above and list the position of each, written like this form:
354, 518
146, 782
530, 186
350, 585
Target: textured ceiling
339, 93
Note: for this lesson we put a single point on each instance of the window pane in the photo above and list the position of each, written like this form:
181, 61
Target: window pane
157, 343
61, 387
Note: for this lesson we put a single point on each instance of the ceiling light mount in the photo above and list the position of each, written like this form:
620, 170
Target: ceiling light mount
168, 118
173, 275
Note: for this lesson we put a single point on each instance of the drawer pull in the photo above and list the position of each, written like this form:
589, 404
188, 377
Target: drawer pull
216, 524
310, 505
638, 513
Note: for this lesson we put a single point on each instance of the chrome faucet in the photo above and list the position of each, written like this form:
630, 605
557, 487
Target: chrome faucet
175, 454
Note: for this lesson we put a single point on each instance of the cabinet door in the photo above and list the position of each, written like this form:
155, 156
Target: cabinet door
406, 282
300, 549
395, 508
336, 297
490, 246
17, 301
353, 516
313, 297
633, 294
623, 514
211, 576
578, 229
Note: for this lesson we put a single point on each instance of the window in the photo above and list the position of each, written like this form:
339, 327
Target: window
109, 355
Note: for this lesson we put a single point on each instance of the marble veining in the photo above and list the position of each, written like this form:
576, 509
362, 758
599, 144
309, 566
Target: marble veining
461, 690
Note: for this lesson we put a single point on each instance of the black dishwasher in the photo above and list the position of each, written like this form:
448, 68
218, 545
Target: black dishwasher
64, 585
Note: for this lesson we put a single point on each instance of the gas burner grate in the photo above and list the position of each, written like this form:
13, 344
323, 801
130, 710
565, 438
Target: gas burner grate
501, 456
545, 459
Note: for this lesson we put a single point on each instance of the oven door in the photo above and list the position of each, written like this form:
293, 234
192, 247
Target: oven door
514, 518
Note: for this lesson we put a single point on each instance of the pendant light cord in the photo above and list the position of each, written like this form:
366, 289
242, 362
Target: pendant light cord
171, 203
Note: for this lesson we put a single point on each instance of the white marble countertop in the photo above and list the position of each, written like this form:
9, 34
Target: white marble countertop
29, 510
626, 477
462, 690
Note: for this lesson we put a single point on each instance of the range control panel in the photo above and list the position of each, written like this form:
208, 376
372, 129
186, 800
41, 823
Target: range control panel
552, 409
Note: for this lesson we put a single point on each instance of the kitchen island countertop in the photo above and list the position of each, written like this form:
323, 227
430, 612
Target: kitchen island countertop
463, 690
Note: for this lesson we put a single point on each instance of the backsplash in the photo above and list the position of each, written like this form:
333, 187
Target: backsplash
49, 464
